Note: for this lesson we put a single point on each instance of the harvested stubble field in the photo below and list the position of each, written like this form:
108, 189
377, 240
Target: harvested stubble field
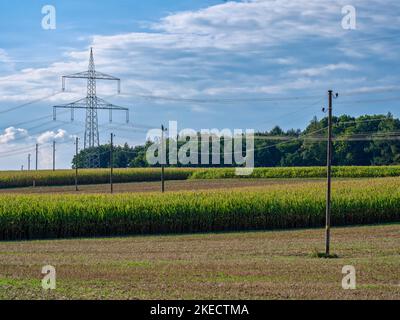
251, 265
172, 185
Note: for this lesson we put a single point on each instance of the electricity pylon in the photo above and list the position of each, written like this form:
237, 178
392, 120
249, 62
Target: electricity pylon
92, 103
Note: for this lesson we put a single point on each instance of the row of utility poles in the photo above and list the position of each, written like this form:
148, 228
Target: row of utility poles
163, 130
76, 164
37, 158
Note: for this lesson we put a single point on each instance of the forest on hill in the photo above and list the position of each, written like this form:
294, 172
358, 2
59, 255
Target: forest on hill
362, 141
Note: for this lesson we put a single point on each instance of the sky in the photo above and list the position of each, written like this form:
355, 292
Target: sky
205, 64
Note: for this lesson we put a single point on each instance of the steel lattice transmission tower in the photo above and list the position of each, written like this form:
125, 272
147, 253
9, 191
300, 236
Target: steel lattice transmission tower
92, 103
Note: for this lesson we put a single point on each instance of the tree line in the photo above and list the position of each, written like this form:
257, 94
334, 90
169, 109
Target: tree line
364, 140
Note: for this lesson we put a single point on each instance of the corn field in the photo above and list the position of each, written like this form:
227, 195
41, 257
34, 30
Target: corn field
301, 172
255, 208
17, 179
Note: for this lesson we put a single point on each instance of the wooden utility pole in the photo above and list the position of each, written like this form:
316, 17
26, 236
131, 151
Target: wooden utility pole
162, 159
111, 163
37, 152
76, 163
29, 162
54, 155
329, 170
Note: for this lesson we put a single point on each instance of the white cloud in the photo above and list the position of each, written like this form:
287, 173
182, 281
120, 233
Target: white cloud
6, 63
11, 134
234, 24
59, 136
284, 61
223, 49
17, 143
318, 71
4, 56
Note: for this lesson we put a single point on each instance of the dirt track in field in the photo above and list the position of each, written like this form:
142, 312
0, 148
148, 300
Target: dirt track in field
178, 185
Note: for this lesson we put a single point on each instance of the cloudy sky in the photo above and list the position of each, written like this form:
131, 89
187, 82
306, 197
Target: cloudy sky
206, 64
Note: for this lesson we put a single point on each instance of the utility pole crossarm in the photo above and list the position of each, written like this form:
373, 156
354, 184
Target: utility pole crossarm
101, 104
106, 105
95, 75
76, 104
82, 104
91, 75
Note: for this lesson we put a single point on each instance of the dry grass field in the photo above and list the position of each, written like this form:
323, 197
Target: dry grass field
173, 185
251, 265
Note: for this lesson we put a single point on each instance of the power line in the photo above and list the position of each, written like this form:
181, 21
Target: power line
11, 154
29, 103
261, 99
370, 136
135, 126
382, 118
32, 129
274, 145
124, 129
227, 100
26, 149
393, 36
33, 120
257, 137
370, 90
369, 100
29, 130
295, 112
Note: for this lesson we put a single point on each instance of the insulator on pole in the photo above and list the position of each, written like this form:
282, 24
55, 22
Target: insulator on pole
63, 84
111, 116
127, 116
119, 86
54, 114
72, 115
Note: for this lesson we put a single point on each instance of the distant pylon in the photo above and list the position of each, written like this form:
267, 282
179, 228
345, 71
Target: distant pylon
92, 103
92, 121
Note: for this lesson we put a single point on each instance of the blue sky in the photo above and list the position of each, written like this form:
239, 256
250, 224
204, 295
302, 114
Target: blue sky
199, 53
